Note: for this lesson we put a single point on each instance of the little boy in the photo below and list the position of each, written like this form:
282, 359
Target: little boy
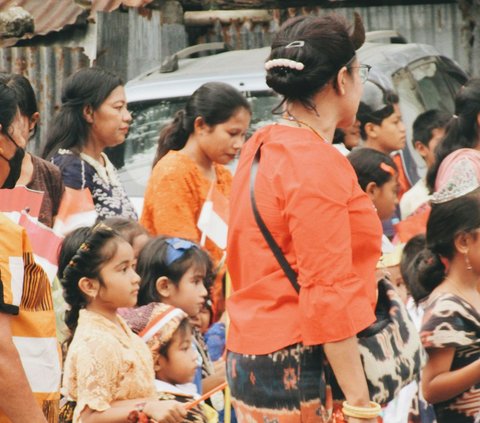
428, 130
381, 126
168, 334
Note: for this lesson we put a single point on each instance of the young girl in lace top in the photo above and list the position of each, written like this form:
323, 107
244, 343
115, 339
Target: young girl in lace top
108, 371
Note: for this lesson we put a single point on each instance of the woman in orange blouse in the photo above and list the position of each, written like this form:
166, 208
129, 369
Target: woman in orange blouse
308, 195
191, 155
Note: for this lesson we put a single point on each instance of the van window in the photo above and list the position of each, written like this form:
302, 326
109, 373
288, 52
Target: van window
135, 156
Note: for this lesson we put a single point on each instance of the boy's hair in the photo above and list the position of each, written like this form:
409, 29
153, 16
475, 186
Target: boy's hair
426, 122
183, 328
376, 105
127, 228
408, 267
372, 166
157, 324
154, 262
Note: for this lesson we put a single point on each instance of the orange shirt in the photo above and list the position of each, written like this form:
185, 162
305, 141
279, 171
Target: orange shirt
308, 195
175, 194
403, 182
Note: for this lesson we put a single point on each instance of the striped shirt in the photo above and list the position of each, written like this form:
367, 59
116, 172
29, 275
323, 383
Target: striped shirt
25, 293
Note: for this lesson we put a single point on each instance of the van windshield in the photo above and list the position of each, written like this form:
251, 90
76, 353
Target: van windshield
135, 156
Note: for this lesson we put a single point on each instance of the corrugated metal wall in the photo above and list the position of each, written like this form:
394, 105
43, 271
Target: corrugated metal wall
440, 25
46, 68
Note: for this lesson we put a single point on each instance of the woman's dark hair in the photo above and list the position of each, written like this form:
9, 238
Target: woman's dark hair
83, 253
183, 328
462, 130
324, 45
8, 107
214, 102
446, 221
409, 264
86, 87
367, 114
152, 263
27, 102
129, 229
372, 166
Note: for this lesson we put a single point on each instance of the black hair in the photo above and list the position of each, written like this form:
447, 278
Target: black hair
426, 122
367, 164
446, 221
152, 264
462, 130
69, 129
182, 330
8, 107
409, 265
127, 228
27, 102
366, 114
214, 102
83, 253
324, 46
338, 136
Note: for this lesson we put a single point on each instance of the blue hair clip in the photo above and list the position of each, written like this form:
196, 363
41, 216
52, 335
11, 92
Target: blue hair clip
176, 248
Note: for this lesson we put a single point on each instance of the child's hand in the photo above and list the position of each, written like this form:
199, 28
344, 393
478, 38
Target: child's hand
165, 411
220, 368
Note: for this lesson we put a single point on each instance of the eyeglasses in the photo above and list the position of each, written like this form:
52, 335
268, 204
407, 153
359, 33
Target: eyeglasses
363, 71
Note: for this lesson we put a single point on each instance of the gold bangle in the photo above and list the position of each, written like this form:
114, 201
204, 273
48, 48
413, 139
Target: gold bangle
370, 412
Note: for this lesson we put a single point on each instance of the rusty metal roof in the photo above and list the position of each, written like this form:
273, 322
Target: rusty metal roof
54, 15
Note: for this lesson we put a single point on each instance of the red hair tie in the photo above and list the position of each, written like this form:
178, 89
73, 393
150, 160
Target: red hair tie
445, 262
387, 168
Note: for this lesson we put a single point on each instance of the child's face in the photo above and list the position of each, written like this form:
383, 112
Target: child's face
180, 364
190, 293
428, 153
121, 283
391, 133
395, 277
385, 198
202, 319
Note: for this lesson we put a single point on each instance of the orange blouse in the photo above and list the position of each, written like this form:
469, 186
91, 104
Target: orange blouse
175, 195
308, 195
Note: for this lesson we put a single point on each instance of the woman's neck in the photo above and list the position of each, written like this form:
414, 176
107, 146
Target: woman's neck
27, 170
94, 149
320, 121
193, 150
462, 282
376, 145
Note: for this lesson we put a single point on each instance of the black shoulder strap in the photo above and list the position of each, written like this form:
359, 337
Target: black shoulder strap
277, 252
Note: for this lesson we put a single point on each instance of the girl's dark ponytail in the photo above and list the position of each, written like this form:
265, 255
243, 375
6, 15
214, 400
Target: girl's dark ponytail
174, 136
430, 270
214, 102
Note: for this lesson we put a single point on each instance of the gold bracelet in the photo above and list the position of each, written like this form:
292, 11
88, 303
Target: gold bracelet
370, 412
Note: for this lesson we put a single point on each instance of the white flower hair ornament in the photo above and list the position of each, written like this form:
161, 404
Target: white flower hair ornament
284, 63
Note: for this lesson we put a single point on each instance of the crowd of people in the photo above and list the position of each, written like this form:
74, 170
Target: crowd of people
313, 240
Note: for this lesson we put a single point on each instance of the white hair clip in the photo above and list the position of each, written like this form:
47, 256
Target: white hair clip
284, 63
294, 44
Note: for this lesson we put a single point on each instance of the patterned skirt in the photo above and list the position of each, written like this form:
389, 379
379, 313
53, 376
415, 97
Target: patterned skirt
287, 386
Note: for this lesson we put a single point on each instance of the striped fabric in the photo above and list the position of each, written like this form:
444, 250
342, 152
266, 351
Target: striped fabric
25, 294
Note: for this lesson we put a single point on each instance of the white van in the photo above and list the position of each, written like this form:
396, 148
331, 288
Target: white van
422, 78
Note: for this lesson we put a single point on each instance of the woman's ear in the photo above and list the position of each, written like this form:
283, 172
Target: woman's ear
371, 189
341, 79
163, 286
89, 287
199, 125
462, 241
33, 121
88, 113
371, 130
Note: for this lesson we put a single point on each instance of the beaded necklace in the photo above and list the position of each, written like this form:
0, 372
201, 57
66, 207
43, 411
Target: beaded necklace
299, 122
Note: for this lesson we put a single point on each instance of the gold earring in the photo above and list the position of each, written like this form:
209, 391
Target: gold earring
467, 262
